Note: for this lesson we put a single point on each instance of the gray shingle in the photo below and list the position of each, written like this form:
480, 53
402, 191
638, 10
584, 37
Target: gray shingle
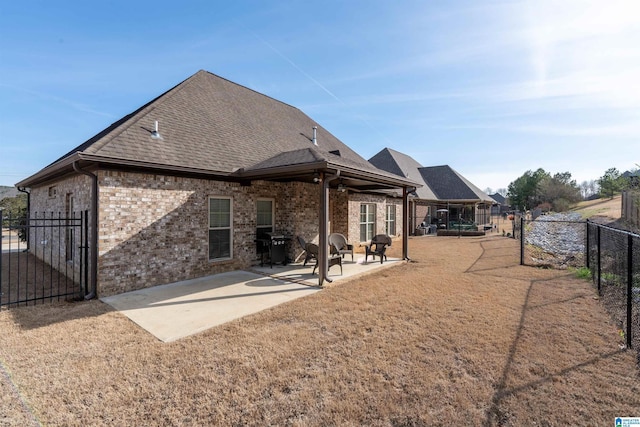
447, 184
405, 166
211, 126
440, 183
210, 123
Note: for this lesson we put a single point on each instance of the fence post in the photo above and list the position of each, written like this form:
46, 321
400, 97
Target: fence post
587, 245
522, 240
599, 263
629, 288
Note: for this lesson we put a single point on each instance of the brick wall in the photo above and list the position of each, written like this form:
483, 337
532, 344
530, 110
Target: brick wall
423, 213
154, 228
47, 241
381, 201
339, 212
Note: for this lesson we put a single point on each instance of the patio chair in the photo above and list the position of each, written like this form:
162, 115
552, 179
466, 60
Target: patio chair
341, 245
334, 257
378, 246
308, 256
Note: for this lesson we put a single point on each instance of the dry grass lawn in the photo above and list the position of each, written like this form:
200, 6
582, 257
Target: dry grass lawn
600, 210
460, 336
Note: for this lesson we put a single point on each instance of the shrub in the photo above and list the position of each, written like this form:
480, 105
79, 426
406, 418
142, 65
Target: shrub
583, 273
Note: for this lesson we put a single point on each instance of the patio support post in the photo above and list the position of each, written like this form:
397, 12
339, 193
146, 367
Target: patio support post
405, 223
323, 244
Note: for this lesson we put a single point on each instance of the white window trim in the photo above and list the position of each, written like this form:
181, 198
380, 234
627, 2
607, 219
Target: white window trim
390, 221
230, 228
374, 208
273, 211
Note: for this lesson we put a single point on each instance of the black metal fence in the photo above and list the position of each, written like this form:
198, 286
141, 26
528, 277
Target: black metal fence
43, 258
550, 242
611, 255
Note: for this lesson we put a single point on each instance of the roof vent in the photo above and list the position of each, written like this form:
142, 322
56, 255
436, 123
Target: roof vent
315, 139
155, 134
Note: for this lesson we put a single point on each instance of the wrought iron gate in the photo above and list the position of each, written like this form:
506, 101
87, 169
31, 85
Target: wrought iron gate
43, 258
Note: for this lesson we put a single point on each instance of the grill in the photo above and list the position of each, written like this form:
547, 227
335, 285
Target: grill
273, 246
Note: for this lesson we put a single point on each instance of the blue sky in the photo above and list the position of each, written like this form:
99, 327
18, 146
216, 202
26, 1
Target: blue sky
491, 88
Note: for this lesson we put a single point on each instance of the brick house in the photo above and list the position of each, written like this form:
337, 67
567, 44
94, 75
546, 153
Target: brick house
181, 187
444, 196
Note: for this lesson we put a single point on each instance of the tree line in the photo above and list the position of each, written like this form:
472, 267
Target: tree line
557, 192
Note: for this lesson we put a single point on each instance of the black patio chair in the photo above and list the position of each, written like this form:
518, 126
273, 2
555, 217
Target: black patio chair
308, 256
378, 246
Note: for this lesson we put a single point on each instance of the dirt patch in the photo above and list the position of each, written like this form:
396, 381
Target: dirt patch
460, 335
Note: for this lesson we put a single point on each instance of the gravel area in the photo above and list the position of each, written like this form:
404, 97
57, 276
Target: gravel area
558, 234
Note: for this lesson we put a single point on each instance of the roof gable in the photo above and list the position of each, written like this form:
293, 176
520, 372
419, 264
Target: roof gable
499, 198
210, 123
440, 183
288, 158
447, 184
405, 166
209, 126
396, 162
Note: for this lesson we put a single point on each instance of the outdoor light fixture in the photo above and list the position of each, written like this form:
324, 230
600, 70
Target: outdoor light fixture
316, 177
341, 187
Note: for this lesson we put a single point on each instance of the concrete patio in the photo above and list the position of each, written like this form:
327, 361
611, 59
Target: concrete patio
177, 310
298, 273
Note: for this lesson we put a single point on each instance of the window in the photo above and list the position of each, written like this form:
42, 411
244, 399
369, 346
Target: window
264, 220
53, 191
367, 221
390, 220
220, 228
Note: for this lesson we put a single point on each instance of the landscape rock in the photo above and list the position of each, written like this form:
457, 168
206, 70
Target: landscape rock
558, 234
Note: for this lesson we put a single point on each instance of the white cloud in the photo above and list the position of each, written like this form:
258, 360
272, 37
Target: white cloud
582, 47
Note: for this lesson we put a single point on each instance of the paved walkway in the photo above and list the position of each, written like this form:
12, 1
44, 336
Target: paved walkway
177, 310
11, 242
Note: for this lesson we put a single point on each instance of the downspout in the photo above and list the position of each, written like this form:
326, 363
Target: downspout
323, 244
28, 193
94, 229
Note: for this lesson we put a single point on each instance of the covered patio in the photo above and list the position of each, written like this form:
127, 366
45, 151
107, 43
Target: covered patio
332, 171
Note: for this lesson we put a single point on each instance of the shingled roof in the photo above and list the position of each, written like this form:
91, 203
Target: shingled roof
210, 125
440, 183
402, 165
447, 184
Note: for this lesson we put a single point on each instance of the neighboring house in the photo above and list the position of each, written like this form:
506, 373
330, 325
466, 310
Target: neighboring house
181, 187
501, 206
631, 179
445, 195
